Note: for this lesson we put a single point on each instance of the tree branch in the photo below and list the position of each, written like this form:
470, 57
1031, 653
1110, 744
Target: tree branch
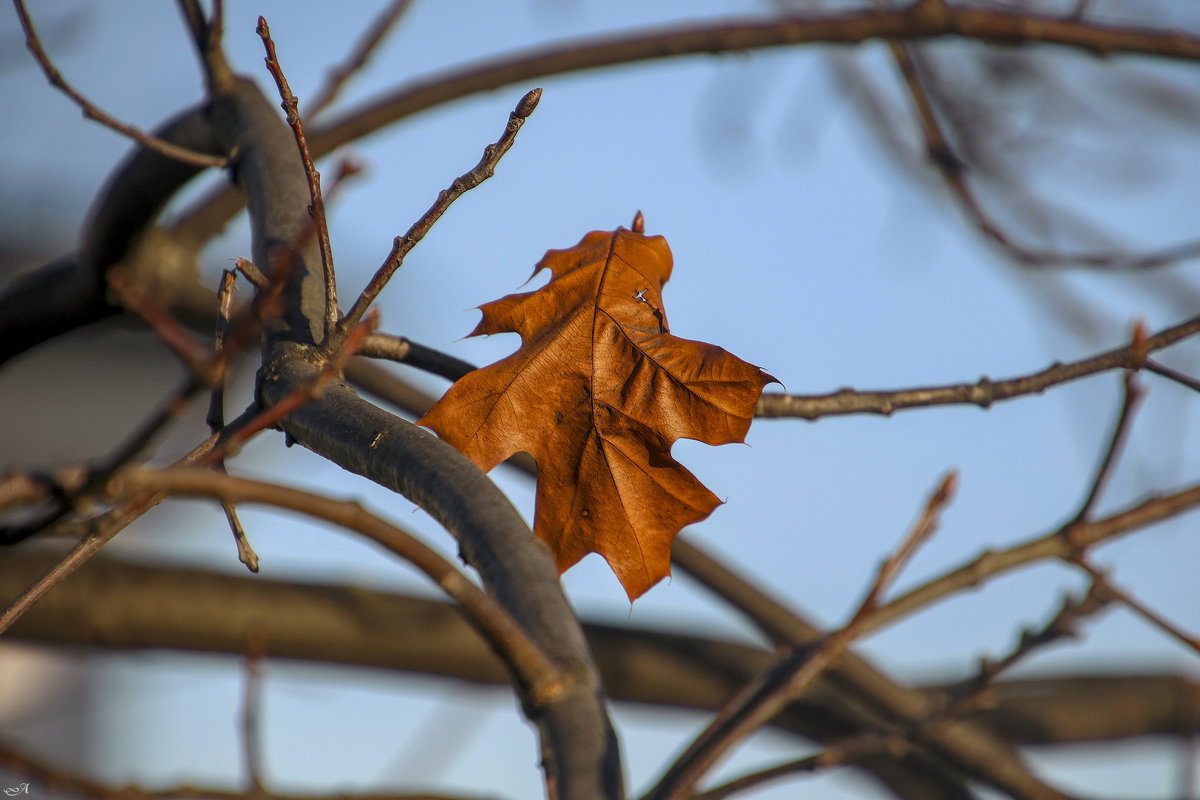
161, 145
982, 394
70, 291
928, 19
1061, 543
483, 170
115, 604
537, 677
580, 750
65, 781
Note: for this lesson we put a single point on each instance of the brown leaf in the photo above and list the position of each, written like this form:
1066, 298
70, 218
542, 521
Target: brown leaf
597, 394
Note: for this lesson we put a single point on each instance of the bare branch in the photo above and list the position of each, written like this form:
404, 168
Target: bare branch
580, 757
178, 339
72, 291
1131, 398
953, 171
406, 351
929, 19
463, 183
1173, 374
1062, 543
316, 210
1100, 577
101, 531
900, 741
216, 410
251, 728
105, 605
68, 782
982, 394
917, 536
92, 112
795, 671
371, 38
539, 679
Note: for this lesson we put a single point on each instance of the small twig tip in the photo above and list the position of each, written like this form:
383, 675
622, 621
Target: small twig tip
528, 103
639, 223
1138, 345
949, 486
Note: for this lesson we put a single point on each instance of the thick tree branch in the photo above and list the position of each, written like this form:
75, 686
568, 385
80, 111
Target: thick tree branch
579, 748
71, 291
120, 605
69, 782
535, 673
929, 19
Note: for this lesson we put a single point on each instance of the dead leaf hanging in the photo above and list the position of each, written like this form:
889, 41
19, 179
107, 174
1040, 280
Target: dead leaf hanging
597, 393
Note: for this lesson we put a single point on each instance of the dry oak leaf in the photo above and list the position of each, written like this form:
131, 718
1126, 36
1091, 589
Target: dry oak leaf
597, 393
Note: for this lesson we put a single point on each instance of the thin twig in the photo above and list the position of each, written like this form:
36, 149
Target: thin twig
101, 531
316, 210
357, 59
253, 274
1062, 625
537, 675
919, 21
65, 499
207, 33
90, 111
252, 695
953, 170
1172, 374
140, 439
918, 535
216, 406
216, 412
1131, 398
982, 394
760, 700
406, 351
212, 451
1057, 544
245, 551
1136, 606
463, 183
897, 742
179, 339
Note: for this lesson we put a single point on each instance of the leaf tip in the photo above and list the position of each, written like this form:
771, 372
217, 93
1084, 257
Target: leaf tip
639, 222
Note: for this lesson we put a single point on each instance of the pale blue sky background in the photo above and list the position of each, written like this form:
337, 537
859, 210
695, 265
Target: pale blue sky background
799, 246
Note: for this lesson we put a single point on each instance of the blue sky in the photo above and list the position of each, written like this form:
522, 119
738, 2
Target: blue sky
799, 246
